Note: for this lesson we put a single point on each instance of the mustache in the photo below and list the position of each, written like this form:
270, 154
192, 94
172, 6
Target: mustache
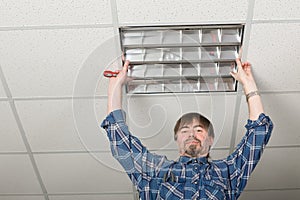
191, 140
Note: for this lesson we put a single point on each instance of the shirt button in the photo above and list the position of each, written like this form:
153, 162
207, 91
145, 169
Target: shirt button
196, 183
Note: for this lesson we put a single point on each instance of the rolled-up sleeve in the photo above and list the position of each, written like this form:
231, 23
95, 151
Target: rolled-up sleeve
138, 162
248, 152
117, 116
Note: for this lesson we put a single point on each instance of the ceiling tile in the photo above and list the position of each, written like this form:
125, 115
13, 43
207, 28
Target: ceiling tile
223, 108
63, 125
273, 51
278, 168
94, 197
82, 173
152, 118
68, 12
285, 118
272, 10
22, 197
17, 175
11, 140
55, 62
102, 86
89, 79
273, 194
171, 11
88, 115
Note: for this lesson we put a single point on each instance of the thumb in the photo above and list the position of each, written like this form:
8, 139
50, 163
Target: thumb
233, 74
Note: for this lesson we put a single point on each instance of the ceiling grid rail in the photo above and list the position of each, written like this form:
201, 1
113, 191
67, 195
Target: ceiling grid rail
23, 134
247, 32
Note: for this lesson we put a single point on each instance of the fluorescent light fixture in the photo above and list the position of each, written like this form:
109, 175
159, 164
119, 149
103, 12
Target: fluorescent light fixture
196, 58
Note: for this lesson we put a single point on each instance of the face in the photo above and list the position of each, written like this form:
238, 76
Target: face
193, 140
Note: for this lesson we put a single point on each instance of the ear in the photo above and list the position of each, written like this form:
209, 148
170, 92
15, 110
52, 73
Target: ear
210, 140
175, 137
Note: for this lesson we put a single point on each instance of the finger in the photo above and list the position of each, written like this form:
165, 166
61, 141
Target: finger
247, 66
238, 62
123, 56
244, 65
126, 65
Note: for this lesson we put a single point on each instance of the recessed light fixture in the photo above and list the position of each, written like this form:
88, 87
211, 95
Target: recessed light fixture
196, 58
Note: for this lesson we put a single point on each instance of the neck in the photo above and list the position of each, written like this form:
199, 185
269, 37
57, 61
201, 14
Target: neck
196, 156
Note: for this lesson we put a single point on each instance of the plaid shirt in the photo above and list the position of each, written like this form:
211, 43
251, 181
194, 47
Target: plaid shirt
156, 177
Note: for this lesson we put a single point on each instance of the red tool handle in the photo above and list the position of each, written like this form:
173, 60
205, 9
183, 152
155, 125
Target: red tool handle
109, 74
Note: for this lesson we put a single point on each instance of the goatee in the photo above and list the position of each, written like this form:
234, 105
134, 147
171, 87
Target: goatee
192, 150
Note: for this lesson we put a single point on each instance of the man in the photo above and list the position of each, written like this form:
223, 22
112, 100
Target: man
192, 176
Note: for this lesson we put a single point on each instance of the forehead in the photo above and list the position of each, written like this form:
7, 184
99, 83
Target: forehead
190, 123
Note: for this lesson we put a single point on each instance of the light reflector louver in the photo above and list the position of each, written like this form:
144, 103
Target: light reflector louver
195, 58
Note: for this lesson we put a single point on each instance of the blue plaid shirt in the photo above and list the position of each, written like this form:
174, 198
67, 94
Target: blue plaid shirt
156, 177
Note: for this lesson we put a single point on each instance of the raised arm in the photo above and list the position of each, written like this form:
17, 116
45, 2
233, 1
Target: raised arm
138, 162
245, 77
248, 152
114, 101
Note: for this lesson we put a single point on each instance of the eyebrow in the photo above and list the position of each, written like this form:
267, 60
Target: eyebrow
198, 125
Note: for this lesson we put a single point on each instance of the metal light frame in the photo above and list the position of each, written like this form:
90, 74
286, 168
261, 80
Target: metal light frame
196, 58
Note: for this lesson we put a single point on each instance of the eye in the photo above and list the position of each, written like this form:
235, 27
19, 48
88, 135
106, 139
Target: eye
198, 130
184, 131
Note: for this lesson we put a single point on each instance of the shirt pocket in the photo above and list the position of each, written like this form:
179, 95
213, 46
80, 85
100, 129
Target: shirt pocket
172, 190
215, 188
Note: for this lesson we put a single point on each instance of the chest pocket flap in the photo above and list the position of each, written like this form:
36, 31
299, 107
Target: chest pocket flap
214, 188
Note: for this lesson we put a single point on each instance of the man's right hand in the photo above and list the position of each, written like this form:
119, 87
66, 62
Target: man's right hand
121, 78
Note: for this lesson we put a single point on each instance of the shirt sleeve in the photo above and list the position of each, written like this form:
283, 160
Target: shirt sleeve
138, 162
248, 152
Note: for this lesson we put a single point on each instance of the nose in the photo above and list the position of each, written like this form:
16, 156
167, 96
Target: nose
192, 134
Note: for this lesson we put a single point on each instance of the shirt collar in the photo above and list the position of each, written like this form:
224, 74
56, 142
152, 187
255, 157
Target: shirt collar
187, 160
